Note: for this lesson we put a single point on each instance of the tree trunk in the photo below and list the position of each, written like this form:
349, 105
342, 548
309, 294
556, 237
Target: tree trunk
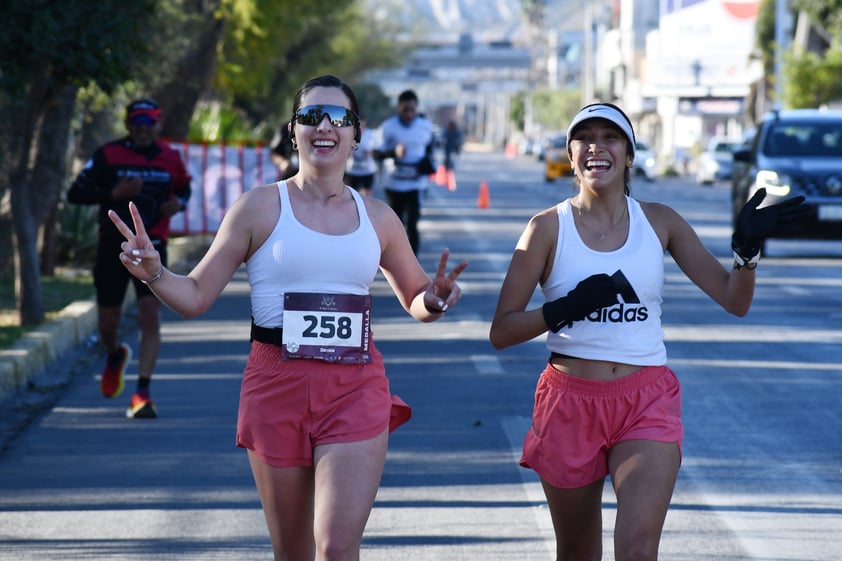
50, 171
27, 124
7, 242
178, 98
49, 244
28, 285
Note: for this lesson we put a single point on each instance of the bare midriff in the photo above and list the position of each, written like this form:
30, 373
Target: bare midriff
592, 369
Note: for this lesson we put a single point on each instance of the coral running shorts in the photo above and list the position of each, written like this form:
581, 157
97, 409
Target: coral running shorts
287, 408
576, 421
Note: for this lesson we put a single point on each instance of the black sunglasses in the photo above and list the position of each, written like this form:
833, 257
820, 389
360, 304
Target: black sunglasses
142, 119
312, 115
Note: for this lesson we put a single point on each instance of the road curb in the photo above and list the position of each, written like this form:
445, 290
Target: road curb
37, 349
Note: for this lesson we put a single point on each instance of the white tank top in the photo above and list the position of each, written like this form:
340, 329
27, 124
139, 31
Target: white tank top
630, 331
297, 259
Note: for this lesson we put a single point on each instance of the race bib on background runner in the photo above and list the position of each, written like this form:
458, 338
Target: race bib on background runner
405, 171
330, 327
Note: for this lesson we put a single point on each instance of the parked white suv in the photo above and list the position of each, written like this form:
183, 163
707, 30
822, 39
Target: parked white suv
717, 162
644, 161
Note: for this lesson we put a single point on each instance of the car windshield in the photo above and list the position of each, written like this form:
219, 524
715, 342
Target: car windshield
805, 139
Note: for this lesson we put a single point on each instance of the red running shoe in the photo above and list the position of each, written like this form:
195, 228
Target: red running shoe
141, 407
111, 383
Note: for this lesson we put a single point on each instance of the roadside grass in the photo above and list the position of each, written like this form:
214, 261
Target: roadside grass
65, 287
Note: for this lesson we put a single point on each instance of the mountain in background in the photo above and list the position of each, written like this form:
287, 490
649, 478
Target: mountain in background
485, 20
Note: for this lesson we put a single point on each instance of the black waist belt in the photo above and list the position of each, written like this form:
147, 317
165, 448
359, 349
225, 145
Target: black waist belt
270, 335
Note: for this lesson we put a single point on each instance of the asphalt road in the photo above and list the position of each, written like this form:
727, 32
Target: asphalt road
762, 470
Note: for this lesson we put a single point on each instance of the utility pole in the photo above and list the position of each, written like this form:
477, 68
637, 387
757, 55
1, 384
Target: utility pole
781, 17
587, 57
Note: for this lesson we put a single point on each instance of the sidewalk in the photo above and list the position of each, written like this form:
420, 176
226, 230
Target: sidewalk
29, 381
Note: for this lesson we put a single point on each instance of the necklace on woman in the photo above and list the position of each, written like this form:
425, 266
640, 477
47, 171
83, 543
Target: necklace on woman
602, 235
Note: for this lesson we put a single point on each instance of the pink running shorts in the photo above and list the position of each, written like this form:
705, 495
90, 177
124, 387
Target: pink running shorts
576, 421
289, 407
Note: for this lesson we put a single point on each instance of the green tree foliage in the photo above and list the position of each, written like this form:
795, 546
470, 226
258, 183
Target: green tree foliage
374, 104
812, 76
245, 56
216, 122
553, 109
764, 32
48, 49
827, 14
517, 112
264, 60
812, 79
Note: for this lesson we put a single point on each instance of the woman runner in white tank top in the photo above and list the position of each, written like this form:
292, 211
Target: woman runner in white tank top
315, 408
606, 403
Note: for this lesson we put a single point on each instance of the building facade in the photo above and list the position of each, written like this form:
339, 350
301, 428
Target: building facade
683, 69
468, 82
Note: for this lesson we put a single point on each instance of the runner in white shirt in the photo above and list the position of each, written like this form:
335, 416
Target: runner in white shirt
407, 138
362, 168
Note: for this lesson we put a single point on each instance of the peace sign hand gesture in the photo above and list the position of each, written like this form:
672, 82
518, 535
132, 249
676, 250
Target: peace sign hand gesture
139, 256
443, 293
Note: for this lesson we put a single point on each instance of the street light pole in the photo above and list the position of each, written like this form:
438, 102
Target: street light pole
780, 40
587, 57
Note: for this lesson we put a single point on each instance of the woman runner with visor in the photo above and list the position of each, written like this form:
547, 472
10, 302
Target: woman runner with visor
606, 403
315, 407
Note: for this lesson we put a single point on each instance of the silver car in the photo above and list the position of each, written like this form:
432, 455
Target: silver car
717, 162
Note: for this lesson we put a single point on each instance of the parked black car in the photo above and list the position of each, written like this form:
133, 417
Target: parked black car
795, 152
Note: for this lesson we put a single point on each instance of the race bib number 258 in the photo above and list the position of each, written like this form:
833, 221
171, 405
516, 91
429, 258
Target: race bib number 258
330, 327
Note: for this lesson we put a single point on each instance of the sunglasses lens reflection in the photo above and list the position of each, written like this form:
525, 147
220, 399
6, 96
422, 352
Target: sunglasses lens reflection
312, 115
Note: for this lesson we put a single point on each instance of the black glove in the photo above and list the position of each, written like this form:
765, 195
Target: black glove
754, 224
593, 293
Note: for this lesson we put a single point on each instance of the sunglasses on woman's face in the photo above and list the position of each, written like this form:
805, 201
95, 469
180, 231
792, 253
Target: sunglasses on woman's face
312, 115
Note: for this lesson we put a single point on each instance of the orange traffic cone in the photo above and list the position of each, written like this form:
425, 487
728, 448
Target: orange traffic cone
482, 200
451, 180
441, 175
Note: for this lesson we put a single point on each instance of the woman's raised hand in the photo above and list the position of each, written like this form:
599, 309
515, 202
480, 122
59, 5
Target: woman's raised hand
139, 256
444, 292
